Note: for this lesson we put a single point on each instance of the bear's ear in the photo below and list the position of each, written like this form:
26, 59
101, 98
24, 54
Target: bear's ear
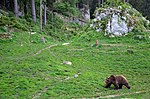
113, 77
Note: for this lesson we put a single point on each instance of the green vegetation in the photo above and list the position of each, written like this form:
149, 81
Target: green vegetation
31, 69
125, 12
66, 8
26, 75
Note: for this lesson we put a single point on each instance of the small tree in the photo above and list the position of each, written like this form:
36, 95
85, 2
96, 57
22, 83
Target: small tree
45, 18
16, 8
41, 7
33, 10
102, 2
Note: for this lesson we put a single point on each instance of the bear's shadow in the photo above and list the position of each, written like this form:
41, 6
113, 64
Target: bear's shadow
110, 88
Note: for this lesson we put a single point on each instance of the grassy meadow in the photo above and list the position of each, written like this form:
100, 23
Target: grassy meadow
30, 69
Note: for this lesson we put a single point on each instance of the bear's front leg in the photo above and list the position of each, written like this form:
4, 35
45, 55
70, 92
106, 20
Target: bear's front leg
108, 85
127, 85
120, 86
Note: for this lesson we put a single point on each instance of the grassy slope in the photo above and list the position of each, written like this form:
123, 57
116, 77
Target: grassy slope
23, 75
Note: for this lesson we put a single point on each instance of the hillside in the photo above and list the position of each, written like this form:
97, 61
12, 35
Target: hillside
66, 58
36, 70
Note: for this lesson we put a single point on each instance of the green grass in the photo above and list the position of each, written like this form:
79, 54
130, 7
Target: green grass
23, 75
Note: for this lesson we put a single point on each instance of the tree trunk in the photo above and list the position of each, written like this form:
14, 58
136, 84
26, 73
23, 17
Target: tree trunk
7, 4
33, 10
126, 1
102, 3
45, 19
41, 6
25, 7
99, 3
16, 8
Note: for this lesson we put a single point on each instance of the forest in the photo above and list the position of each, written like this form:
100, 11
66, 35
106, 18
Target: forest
74, 49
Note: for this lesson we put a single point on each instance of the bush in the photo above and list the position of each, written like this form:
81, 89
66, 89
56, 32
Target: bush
66, 9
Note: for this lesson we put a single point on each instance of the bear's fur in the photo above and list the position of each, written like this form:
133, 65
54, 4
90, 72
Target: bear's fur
117, 81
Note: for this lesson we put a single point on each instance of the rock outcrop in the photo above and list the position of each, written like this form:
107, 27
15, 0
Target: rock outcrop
117, 21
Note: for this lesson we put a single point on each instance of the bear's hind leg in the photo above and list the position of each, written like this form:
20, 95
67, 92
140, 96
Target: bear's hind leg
120, 86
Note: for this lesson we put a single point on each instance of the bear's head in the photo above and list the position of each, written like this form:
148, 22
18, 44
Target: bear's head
110, 79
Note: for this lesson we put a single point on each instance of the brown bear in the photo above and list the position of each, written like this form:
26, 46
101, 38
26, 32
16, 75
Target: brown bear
117, 81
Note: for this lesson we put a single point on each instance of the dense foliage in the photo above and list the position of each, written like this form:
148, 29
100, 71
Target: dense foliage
143, 6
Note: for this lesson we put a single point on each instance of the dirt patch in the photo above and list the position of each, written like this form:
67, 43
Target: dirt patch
117, 95
38, 52
112, 45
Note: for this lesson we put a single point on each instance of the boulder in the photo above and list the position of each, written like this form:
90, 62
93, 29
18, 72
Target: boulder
117, 21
